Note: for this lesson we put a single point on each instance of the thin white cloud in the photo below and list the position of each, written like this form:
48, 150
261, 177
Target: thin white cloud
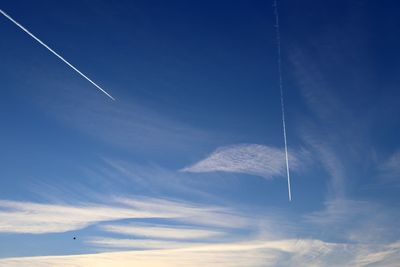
331, 122
332, 163
260, 160
28, 217
286, 252
36, 218
129, 125
191, 213
339, 211
351, 220
161, 231
135, 243
174, 245
390, 169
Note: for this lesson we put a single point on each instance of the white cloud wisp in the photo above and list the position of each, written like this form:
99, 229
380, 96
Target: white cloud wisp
259, 160
287, 252
38, 218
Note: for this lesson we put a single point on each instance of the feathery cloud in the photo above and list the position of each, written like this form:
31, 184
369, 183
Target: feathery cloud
260, 160
287, 252
390, 169
37, 218
161, 231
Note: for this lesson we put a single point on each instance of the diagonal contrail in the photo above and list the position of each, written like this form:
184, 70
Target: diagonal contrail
278, 43
55, 53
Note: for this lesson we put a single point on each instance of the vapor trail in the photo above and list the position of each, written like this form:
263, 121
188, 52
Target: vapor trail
278, 44
55, 53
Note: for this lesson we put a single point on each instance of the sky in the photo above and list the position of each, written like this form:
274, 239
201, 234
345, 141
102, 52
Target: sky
187, 166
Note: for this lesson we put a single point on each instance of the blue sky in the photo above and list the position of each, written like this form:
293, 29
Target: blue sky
187, 167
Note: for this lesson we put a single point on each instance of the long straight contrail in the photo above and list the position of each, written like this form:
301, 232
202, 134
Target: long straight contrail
55, 53
278, 44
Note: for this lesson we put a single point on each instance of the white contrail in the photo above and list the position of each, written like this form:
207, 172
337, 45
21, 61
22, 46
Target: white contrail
278, 42
55, 53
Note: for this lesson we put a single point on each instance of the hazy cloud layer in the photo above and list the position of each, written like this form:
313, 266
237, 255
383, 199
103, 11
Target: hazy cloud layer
126, 124
288, 252
351, 220
390, 168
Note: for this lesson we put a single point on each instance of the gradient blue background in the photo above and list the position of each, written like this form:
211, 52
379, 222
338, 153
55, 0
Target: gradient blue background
189, 77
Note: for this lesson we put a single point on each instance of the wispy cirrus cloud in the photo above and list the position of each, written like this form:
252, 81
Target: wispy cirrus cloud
192, 213
197, 235
254, 159
351, 221
136, 243
390, 168
161, 231
329, 123
126, 124
287, 252
38, 218
339, 211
